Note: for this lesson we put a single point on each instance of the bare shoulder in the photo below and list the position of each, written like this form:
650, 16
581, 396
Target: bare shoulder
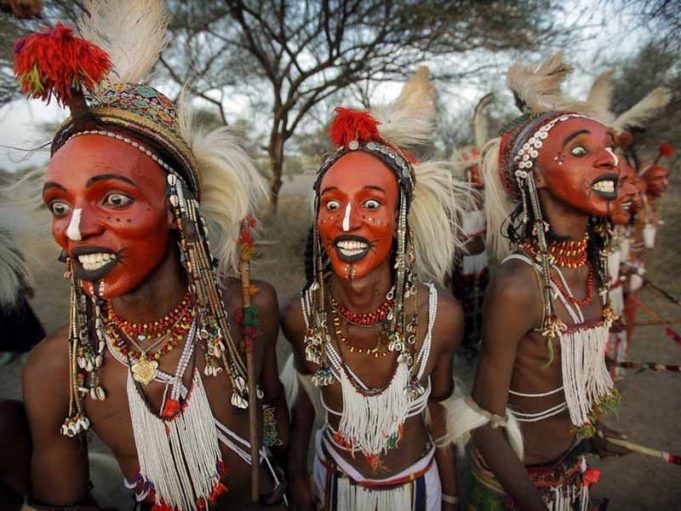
515, 283
292, 319
49, 359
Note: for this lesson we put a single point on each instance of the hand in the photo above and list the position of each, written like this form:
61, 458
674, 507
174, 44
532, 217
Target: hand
302, 496
618, 325
601, 446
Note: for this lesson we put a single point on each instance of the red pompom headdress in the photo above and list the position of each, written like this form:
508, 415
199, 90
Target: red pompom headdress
56, 63
353, 125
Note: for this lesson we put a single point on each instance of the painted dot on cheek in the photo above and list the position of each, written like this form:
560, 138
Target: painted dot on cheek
129, 221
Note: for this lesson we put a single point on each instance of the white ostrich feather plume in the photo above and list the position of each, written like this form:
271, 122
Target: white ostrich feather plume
600, 97
410, 119
481, 121
537, 89
642, 111
435, 219
231, 186
132, 32
498, 205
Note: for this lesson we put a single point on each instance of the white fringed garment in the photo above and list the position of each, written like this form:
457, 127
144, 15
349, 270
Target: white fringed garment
190, 438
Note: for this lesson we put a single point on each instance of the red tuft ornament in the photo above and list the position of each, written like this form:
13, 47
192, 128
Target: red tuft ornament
55, 62
349, 125
666, 149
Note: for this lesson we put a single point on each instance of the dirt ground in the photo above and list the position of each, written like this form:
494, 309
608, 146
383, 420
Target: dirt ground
649, 414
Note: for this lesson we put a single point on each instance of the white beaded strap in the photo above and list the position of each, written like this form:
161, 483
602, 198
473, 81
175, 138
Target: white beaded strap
130, 141
544, 414
450, 499
538, 394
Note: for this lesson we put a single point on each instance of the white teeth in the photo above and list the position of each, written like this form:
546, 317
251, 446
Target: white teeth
626, 205
606, 186
95, 261
351, 245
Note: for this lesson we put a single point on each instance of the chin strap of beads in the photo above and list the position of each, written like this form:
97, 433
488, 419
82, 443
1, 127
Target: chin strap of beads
85, 356
213, 328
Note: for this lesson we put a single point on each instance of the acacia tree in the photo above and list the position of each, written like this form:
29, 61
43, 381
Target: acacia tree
290, 56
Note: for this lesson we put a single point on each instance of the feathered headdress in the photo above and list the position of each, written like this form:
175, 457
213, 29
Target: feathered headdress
600, 97
388, 132
465, 157
211, 182
644, 110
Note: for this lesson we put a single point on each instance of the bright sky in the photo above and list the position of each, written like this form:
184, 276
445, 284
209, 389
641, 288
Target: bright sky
18, 120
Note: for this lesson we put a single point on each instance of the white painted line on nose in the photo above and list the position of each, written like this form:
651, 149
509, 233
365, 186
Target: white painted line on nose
73, 231
346, 218
614, 156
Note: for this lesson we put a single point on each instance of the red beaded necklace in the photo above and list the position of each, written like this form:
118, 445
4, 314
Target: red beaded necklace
152, 329
589, 289
364, 318
564, 254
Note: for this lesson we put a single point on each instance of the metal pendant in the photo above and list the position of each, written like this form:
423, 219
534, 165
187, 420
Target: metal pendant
144, 371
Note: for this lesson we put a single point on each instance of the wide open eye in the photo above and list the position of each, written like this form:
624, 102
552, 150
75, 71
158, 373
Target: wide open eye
59, 208
117, 200
578, 151
332, 205
371, 204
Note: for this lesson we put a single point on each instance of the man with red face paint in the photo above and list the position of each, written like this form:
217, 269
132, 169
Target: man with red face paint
653, 180
627, 203
541, 381
373, 346
152, 358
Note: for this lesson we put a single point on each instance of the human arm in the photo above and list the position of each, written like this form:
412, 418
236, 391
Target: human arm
59, 465
302, 416
447, 336
512, 308
274, 395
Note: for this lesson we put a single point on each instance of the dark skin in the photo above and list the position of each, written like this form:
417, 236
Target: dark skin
59, 464
514, 355
376, 372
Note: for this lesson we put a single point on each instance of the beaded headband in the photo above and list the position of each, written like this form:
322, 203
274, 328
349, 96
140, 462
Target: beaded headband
520, 146
141, 111
392, 157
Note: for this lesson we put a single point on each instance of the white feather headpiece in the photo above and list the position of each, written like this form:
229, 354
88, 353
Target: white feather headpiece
600, 97
132, 32
410, 119
436, 210
644, 110
481, 122
538, 89
231, 185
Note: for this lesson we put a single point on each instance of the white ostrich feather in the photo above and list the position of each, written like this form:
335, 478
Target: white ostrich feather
600, 97
410, 119
435, 219
481, 121
231, 186
537, 90
498, 205
642, 111
132, 32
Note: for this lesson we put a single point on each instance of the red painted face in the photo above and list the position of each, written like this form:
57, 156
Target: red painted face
577, 164
357, 214
627, 196
109, 212
657, 180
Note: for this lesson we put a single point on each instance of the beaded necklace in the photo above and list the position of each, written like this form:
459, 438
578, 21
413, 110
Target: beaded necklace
125, 338
366, 318
564, 254
376, 351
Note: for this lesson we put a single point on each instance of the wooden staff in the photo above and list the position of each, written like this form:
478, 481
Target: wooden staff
668, 457
246, 295
658, 322
642, 366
